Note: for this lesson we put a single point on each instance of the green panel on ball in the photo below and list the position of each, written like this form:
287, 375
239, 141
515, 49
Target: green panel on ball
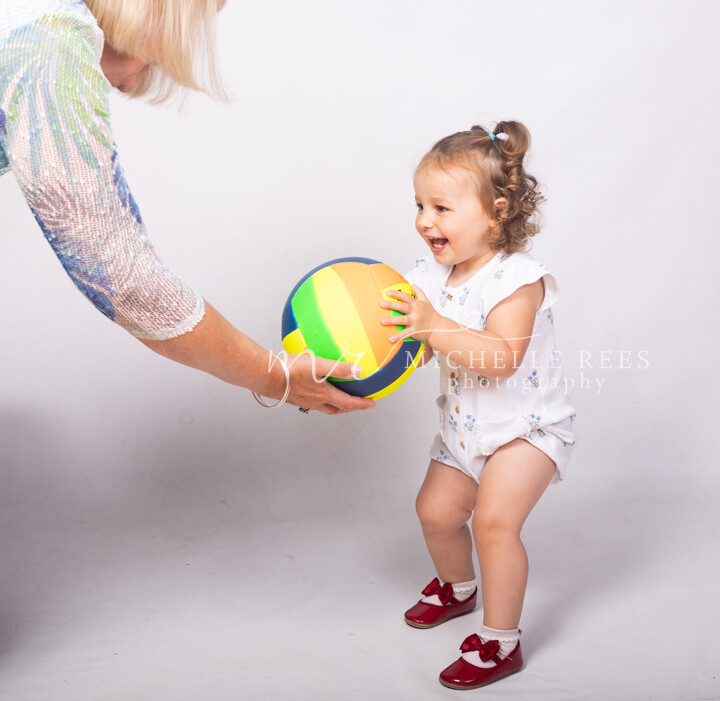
310, 321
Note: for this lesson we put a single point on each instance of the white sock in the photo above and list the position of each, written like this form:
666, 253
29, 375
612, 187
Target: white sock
507, 638
461, 591
464, 590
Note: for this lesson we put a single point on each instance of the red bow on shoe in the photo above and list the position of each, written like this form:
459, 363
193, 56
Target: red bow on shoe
487, 650
444, 592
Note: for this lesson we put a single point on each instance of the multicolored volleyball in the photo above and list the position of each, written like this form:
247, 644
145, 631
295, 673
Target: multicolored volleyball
335, 312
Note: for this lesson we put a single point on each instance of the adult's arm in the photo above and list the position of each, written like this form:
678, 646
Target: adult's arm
218, 348
55, 135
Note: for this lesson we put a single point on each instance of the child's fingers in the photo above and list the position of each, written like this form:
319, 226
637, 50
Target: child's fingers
400, 337
419, 294
402, 307
399, 294
394, 321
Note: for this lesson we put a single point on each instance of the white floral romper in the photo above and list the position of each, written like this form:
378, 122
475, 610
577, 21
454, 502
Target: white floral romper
479, 414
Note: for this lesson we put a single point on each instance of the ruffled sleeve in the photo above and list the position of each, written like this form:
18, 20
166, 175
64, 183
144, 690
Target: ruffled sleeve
420, 274
511, 274
56, 138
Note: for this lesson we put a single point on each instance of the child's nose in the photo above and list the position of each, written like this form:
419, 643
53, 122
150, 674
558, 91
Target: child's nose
424, 220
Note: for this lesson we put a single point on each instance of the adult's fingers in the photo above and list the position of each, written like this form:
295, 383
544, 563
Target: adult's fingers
309, 389
334, 368
331, 397
331, 400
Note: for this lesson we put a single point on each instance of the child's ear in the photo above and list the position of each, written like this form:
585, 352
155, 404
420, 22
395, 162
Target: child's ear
500, 206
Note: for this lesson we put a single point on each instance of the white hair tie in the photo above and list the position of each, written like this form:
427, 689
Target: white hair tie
502, 136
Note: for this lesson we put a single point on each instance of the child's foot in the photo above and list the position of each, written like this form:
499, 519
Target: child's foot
439, 605
482, 662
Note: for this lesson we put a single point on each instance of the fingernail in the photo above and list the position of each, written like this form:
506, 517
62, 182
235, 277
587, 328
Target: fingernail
356, 371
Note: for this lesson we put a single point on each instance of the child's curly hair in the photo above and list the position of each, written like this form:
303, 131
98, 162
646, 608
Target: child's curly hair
495, 160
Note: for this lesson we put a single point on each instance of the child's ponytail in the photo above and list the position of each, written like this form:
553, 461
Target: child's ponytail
517, 219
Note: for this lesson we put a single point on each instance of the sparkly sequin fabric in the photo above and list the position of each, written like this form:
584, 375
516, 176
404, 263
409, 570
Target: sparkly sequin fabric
55, 137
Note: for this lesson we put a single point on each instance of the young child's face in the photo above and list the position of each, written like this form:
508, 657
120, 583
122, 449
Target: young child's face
451, 218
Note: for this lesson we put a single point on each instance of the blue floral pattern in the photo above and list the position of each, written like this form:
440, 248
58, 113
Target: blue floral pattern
534, 426
454, 383
463, 295
443, 457
533, 380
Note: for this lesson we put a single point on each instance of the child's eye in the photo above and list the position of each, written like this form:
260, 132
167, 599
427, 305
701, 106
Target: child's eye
419, 206
440, 208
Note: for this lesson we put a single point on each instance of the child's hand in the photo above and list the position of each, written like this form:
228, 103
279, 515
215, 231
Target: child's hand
420, 318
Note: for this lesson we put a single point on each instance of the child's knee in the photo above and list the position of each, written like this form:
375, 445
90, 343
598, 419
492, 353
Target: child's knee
437, 515
491, 526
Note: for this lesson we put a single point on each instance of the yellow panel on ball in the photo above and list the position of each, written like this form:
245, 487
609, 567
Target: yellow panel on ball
294, 343
343, 320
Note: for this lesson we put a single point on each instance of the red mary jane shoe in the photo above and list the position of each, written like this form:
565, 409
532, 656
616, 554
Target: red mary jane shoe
463, 675
424, 615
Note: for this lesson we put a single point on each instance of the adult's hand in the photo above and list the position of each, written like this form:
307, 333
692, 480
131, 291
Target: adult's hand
308, 388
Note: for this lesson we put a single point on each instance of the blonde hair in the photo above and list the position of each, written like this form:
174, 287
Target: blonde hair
171, 35
494, 159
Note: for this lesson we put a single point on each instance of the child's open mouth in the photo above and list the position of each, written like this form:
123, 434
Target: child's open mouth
437, 244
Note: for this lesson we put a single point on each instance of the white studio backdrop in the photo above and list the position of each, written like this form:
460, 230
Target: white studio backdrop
335, 102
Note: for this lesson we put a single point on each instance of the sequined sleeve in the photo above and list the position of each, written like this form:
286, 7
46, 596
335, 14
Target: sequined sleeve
55, 136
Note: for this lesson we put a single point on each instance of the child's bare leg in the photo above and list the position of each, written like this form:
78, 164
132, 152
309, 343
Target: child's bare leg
512, 481
444, 506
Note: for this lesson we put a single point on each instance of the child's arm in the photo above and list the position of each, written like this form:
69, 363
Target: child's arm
496, 352
427, 355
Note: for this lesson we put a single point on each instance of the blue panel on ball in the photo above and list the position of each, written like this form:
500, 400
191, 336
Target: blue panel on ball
383, 377
288, 319
289, 324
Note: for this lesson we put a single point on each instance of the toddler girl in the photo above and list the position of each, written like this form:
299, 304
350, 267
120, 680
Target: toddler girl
484, 306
